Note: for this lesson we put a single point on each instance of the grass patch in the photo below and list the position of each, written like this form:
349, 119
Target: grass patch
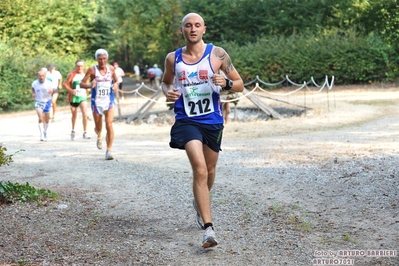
276, 208
348, 237
93, 222
300, 225
305, 226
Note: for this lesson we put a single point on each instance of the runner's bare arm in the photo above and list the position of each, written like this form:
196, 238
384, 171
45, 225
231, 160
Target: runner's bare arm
85, 83
66, 83
60, 82
168, 89
228, 68
115, 85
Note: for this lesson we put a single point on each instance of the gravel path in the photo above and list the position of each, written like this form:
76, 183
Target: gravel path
286, 191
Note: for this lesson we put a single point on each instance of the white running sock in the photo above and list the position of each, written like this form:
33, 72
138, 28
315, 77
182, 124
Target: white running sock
41, 128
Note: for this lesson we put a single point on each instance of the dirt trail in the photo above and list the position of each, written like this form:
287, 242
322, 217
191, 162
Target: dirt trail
284, 189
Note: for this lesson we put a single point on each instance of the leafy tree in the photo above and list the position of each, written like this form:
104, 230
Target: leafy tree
60, 34
381, 17
144, 30
101, 32
59, 29
245, 21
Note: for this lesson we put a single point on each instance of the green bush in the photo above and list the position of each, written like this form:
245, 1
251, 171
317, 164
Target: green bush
350, 58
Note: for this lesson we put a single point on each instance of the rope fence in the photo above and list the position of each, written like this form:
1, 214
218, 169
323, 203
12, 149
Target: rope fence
256, 81
259, 85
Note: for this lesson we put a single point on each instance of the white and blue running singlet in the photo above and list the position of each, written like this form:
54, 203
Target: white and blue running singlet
42, 90
102, 96
43, 97
200, 98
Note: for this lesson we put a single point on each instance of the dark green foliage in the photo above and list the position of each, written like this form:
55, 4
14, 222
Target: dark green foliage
145, 30
12, 80
381, 17
100, 31
14, 192
59, 29
350, 58
247, 21
60, 35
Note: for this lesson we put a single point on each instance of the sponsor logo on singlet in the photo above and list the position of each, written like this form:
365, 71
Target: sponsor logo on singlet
182, 75
203, 74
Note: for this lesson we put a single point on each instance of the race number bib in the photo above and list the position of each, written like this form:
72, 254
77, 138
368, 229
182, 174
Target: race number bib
40, 105
103, 92
80, 92
198, 100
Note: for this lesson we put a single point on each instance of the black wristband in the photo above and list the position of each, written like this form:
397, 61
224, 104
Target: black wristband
229, 85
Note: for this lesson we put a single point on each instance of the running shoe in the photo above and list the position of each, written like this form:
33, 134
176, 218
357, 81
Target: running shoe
99, 144
209, 238
44, 136
85, 135
199, 218
108, 156
41, 137
72, 135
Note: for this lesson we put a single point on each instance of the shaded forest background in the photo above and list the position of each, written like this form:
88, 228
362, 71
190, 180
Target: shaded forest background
353, 40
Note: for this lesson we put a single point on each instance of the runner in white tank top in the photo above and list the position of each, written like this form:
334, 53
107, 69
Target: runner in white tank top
104, 86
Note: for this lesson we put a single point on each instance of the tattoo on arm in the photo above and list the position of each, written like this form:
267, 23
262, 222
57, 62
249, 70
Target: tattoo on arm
225, 58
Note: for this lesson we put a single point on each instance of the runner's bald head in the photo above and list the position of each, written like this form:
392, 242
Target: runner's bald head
192, 15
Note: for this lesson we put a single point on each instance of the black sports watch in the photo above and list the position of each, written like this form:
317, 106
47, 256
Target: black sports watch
229, 85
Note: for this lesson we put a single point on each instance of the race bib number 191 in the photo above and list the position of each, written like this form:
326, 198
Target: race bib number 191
103, 89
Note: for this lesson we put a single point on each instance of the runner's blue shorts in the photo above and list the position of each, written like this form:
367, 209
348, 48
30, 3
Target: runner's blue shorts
185, 130
45, 106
